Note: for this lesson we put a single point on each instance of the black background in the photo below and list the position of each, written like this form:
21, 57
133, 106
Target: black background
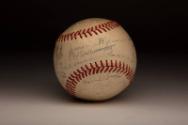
155, 26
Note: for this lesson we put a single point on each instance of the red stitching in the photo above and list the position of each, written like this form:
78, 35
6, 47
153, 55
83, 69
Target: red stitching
93, 30
102, 66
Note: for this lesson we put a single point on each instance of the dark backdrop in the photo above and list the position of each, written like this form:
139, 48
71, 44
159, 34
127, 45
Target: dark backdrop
154, 25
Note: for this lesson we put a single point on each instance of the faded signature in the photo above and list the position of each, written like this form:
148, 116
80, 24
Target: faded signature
101, 78
77, 55
102, 46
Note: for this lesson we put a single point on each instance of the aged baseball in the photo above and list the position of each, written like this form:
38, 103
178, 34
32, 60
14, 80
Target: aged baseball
95, 59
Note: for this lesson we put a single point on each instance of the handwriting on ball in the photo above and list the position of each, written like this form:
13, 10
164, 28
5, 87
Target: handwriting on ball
83, 53
102, 46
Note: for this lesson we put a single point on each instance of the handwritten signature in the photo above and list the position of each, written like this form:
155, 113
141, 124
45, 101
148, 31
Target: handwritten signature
101, 78
104, 46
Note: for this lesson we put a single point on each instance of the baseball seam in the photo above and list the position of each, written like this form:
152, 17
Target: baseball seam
86, 32
103, 66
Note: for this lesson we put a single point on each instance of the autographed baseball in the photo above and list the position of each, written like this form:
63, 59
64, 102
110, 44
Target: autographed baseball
94, 59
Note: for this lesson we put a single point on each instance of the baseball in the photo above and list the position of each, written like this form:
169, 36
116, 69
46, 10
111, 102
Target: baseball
95, 59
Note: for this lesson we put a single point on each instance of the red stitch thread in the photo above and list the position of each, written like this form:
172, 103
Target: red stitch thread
102, 66
93, 30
